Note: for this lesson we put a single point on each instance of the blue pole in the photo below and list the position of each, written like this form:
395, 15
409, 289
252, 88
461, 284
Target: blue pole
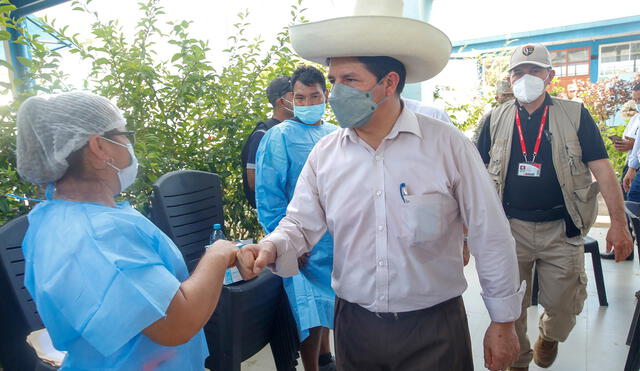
18, 50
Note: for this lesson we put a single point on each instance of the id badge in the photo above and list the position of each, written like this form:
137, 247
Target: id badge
531, 169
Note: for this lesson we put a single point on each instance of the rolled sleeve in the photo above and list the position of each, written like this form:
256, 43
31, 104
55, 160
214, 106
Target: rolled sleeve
506, 309
286, 264
633, 161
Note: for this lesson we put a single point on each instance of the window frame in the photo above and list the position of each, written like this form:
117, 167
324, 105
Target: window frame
562, 70
601, 64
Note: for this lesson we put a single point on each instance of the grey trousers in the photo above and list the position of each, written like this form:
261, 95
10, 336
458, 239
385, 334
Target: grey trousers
434, 339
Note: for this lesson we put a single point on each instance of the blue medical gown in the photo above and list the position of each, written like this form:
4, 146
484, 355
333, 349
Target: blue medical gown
99, 276
281, 155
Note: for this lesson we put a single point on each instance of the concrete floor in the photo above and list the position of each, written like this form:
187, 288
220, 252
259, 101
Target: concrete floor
597, 342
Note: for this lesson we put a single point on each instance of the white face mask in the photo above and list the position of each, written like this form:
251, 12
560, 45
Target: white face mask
127, 175
528, 88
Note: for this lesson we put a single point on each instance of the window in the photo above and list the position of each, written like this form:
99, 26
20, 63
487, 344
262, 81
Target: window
571, 62
619, 59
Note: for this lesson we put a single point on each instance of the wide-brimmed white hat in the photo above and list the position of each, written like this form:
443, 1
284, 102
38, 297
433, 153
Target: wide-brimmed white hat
377, 28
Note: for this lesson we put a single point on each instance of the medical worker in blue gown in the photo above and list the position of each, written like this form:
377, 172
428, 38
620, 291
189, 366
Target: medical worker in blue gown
111, 288
281, 155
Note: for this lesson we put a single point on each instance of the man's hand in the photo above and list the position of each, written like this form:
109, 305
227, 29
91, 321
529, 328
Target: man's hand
628, 179
501, 346
619, 239
252, 259
624, 145
303, 260
465, 254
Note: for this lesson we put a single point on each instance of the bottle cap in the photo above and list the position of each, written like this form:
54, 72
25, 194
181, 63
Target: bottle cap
217, 226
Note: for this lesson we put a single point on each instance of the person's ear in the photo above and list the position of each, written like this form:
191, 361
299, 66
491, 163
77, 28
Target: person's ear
97, 152
390, 83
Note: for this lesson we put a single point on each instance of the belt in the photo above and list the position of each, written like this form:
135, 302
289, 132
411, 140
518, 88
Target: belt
555, 213
402, 315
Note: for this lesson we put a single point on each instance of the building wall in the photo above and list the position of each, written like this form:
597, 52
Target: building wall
595, 50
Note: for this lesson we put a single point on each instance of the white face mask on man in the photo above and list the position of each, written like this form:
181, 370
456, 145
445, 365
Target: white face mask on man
528, 88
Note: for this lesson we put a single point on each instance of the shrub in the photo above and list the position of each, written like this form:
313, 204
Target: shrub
187, 115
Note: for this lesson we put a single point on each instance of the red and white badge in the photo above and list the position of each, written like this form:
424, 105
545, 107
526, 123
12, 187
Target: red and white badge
530, 169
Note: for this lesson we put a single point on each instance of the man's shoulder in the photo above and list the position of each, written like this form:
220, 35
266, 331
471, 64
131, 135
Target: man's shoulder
566, 102
430, 124
265, 125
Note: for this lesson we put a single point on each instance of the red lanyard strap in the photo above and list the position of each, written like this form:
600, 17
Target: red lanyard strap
538, 140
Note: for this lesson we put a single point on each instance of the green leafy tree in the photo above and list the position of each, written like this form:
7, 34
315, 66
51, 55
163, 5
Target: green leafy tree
187, 114
603, 99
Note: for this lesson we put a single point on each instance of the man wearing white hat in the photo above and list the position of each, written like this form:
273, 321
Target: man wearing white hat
543, 174
395, 189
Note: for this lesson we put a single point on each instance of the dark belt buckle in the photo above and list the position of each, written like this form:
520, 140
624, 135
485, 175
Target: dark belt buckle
387, 316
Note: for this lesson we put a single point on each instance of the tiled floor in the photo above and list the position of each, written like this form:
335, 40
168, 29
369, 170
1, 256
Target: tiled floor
597, 342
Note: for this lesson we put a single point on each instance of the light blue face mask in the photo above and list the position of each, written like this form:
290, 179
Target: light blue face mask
126, 176
309, 114
638, 107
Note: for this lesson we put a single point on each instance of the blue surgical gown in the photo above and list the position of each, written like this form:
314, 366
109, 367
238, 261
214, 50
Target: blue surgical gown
99, 276
281, 155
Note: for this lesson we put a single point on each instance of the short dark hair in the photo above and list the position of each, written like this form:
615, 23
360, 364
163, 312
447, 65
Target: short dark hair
381, 66
636, 87
309, 76
278, 87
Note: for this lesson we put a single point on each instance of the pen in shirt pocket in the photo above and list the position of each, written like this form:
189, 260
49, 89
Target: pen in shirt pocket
403, 192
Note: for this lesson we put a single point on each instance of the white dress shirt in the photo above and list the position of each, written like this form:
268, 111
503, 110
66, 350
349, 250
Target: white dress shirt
430, 111
631, 131
395, 255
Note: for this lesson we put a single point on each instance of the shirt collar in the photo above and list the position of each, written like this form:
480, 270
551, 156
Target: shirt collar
407, 122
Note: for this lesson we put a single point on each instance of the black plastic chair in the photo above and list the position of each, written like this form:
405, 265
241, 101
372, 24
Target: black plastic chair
633, 212
18, 313
590, 247
185, 205
249, 314
633, 340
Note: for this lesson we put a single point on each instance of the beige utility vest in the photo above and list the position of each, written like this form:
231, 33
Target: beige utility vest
578, 190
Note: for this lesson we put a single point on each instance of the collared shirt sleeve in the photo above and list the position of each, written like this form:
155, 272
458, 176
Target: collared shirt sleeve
591, 142
632, 157
633, 160
490, 240
304, 223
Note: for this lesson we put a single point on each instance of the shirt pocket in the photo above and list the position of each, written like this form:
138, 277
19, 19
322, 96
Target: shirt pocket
423, 216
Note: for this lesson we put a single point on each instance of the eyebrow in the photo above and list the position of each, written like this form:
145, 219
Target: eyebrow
344, 75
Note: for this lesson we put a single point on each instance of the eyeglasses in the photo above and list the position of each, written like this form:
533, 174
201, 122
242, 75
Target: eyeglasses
131, 135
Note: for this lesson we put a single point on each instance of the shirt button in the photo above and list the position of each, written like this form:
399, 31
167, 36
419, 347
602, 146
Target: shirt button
381, 297
381, 263
379, 193
380, 227
378, 157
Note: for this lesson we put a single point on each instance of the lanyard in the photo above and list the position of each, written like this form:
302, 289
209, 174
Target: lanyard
538, 140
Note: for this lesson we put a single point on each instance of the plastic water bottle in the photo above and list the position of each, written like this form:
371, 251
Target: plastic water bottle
217, 234
232, 274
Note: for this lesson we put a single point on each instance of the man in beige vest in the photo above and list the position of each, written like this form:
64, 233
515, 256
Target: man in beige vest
540, 153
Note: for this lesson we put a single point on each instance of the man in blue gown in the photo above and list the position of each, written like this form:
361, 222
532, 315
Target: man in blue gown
281, 155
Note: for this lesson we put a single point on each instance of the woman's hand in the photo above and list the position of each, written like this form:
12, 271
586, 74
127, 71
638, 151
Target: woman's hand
227, 250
